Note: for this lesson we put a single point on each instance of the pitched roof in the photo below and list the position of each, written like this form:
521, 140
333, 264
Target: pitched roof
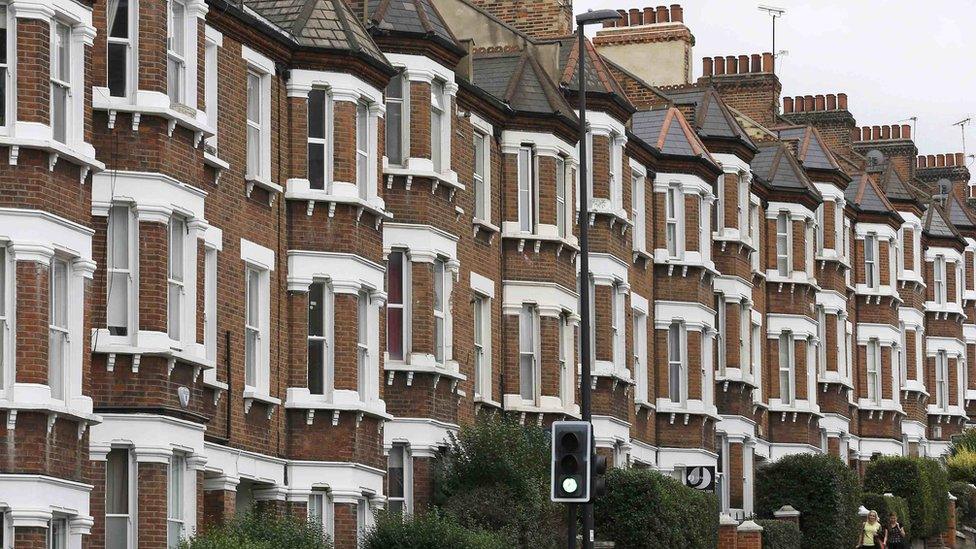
327, 24
894, 187
517, 79
712, 118
598, 76
776, 165
867, 195
419, 17
668, 131
934, 222
810, 150
958, 212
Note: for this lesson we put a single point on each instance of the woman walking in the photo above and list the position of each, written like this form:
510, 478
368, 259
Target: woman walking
872, 533
895, 533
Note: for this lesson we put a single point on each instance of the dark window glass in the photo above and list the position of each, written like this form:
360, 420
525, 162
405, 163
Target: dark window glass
316, 165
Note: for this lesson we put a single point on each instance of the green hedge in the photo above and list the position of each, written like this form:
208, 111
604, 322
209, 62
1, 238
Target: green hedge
495, 477
965, 502
427, 531
965, 440
779, 534
644, 509
961, 465
922, 482
822, 488
261, 530
885, 505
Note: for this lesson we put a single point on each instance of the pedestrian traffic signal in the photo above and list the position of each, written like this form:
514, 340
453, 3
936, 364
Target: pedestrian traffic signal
571, 452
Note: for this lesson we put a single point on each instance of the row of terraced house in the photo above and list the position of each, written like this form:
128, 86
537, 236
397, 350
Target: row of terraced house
274, 252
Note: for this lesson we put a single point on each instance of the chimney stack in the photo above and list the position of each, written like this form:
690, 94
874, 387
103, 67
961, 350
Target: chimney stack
656, 32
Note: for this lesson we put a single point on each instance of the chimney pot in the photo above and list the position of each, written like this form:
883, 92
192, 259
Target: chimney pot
921, 161
856, 134
960, 159
831, 102
866, 133
767, 62
798, 103
719, 65
930, 159
876, 132
743, 64
622, 20
906, 131
756, 63
808, 103
662, 14
677, 13
706, 66
842, 101
787, 105
896, 131
649, 15
731, 65
940, 160
819, 103
635, 17
950, 160
609, 23
885, 132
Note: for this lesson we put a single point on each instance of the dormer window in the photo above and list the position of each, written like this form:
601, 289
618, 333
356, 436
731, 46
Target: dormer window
118, 66
784, 244
176, 52
60, 81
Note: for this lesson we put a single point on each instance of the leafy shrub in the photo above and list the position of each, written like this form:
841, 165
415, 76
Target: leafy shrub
779, 534
644, 509
963, 441
261, 530
962, 465
965, 502
426, 531
495, 477
885, 505
822, 488
922, 482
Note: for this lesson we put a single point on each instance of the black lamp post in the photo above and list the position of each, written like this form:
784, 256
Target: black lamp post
589, 18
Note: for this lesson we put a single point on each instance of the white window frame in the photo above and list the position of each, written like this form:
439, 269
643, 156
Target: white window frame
616, 175
567, 387
529, 354
482, 176
481, 312
618, 326
872, 355
395, 126
364, 362
256, 340
674, 228
364, 519
321, 509
6, 294
821, 339
718, 209
872, 276
61, 47
404, 304
401, 452
528, 189
210, 266
177, 53
127, 42
562, 215
325, 142
638, 208
942, 380
441, 287
721, 360
57, 537
939, 279
9, 27
176, 277
787, 354
327, 309
754, 255
211, 84
640, 356
363, 132
131, 487
677, 362
175, 500
745, 337
742, 208
756, 359
120, 272
440, 127
809, 236
262, 68
784, 244
59, 334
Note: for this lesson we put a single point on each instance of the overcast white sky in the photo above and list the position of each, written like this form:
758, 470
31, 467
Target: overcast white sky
894, 59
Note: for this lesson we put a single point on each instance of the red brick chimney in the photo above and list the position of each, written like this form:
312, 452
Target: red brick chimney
748, 84
536, 18
657, 33
952, 166
826, 112
894, 141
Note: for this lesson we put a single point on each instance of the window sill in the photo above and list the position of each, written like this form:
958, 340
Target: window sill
486, 226
298, 189
910, 277
688, 408
934, 410
798, 277
606, 368
886, 405
422, 168
215, 162
251, 396
299, 398
835, 378
946, 309
151, 344
508, 233
915, 386
603, 207
547, 405
735, 375
799, 407
153, 104
419, 363
56, 150
482, 401
732, 237
263, 183
642, 254
879, 292
36, 398
685, 261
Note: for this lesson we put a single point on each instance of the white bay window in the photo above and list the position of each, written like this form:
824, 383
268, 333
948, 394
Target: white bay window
677, 364
118, 66
58, 349
176, 288
395, 115
787, 369
529, 354
61, 109
528, 189
320, 339
784, 244
320, 142
119, 269
176, 51
873, 358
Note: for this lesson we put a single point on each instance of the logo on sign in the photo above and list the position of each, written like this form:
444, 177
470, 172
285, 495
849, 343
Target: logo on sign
701, 478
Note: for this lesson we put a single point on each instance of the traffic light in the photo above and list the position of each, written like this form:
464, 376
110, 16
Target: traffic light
599, 476
571, 447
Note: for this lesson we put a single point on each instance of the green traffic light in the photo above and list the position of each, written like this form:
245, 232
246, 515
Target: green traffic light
570, 485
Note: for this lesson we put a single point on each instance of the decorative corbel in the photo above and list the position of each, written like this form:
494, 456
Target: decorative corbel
110, 363
135, 121
335, 418
136, 359
309, 208
111, 118
309, 416
170, 126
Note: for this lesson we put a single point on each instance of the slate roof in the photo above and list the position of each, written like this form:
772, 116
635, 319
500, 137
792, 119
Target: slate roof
516, 78
865, 192
934, 222
711, 117
958, 211
776, 165
418, 17
667, 130
811, 150
894, 187
327, 24
598, 76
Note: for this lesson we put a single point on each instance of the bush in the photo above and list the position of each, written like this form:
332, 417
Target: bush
963, 441
261, 530
644, 509
962, 465
965, 502
885, 505
922, 482
822, 488
495, 477
779, 534
427, 531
